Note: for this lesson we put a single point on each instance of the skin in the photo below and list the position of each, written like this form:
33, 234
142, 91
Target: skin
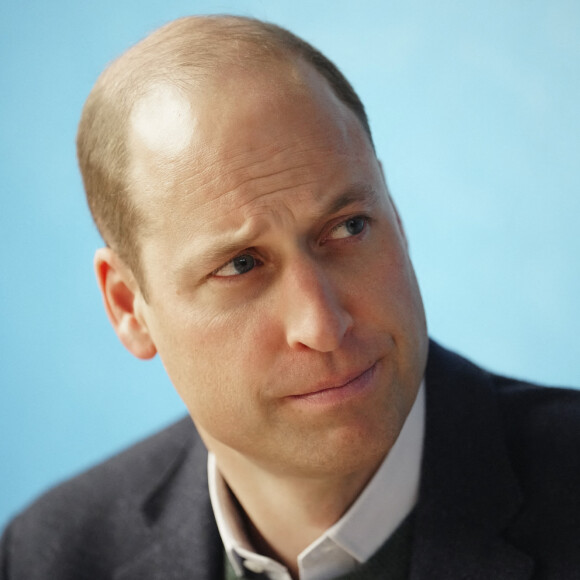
280, 182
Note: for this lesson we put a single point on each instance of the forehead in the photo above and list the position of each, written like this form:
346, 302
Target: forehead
240, 143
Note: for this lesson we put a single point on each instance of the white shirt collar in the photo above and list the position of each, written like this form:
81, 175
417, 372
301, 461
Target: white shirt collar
383, 504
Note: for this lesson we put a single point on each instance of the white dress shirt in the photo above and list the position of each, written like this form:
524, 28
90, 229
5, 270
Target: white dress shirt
383, 504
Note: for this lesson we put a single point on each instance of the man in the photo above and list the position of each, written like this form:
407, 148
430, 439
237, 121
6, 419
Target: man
253, 244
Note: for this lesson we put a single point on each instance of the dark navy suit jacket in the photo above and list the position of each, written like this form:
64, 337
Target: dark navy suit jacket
499, 496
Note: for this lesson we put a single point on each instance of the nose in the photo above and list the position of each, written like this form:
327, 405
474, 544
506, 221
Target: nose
315, 316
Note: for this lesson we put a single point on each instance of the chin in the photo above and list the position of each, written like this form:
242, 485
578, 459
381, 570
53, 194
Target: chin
343, 452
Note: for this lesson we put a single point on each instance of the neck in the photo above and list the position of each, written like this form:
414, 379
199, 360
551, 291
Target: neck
283, 514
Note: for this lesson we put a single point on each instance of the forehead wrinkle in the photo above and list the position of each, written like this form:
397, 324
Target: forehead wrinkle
237, 189
253, 163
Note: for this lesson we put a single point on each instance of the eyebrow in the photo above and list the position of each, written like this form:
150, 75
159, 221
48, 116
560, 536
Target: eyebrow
230, 244
354, 194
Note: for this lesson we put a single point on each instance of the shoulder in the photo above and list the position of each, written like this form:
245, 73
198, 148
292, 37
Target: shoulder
529, 412
542, 428
546, 415
542, 432
125, 477
98, 507
539, 425
538, 428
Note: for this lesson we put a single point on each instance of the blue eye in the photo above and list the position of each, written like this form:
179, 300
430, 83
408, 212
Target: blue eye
239, 265
355, 225
350, 227
243, 264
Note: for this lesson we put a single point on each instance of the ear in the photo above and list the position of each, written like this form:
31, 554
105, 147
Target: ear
120, 293
397, 216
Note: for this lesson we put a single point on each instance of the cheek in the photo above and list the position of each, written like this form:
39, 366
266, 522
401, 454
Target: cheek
380, 278
391, 299
406, 317
218, 366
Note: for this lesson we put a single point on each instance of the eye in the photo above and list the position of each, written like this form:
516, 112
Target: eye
350, 227
239, 265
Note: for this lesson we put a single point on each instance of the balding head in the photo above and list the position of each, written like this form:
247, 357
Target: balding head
149, 89
273, 266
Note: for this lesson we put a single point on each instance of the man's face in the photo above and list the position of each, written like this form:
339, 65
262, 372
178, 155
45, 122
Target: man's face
281, 298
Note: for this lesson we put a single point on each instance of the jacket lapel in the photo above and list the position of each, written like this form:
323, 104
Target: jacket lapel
182, 540
469, 493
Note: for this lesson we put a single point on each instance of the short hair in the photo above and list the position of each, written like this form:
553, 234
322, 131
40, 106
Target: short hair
182, 50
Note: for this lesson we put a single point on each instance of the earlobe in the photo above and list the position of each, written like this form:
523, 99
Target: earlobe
120, 292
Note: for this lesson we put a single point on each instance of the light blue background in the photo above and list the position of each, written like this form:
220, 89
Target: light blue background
475, 111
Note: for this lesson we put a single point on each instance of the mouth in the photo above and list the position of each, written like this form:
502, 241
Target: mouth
334, 391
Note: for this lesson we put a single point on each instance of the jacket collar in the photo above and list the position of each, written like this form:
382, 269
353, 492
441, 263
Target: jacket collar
469, 492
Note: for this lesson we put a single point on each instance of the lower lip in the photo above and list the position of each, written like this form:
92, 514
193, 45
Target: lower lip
358, 386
